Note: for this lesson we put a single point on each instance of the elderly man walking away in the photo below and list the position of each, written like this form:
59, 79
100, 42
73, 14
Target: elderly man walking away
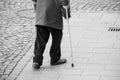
48, 21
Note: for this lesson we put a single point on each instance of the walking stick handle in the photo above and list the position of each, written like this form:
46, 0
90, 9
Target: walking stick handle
66, 9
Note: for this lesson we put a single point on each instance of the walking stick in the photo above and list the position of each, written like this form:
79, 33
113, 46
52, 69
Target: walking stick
67, 18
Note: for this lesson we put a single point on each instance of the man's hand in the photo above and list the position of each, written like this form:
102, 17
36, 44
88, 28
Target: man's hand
65, 2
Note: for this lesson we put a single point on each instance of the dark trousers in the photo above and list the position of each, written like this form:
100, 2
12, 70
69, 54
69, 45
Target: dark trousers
43, 33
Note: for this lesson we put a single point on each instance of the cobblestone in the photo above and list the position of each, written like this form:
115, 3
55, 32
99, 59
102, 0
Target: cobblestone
93, 6
16, 31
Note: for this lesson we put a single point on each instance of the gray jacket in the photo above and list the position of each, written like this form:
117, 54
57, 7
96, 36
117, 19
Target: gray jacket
48, 13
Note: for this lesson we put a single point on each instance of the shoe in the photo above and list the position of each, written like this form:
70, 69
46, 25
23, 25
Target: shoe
35, 65
60, 61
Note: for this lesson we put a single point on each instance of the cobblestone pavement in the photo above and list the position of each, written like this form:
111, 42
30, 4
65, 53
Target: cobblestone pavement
95, 5
17, 29
16, 33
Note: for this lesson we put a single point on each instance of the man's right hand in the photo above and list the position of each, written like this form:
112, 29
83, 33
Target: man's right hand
65, 2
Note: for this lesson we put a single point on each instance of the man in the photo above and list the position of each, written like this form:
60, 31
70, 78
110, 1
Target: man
48, 21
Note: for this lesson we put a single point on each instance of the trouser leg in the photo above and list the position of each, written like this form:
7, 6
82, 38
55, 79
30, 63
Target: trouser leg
55, 50
40, 43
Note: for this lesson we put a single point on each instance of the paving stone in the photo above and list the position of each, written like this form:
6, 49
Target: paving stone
115, 67
4, 77
17, 59
110, 78
1, 54
12, 65
6, 63
13, 77
7, 72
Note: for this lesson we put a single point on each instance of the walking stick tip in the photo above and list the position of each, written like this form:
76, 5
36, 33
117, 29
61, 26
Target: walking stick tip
72, 65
